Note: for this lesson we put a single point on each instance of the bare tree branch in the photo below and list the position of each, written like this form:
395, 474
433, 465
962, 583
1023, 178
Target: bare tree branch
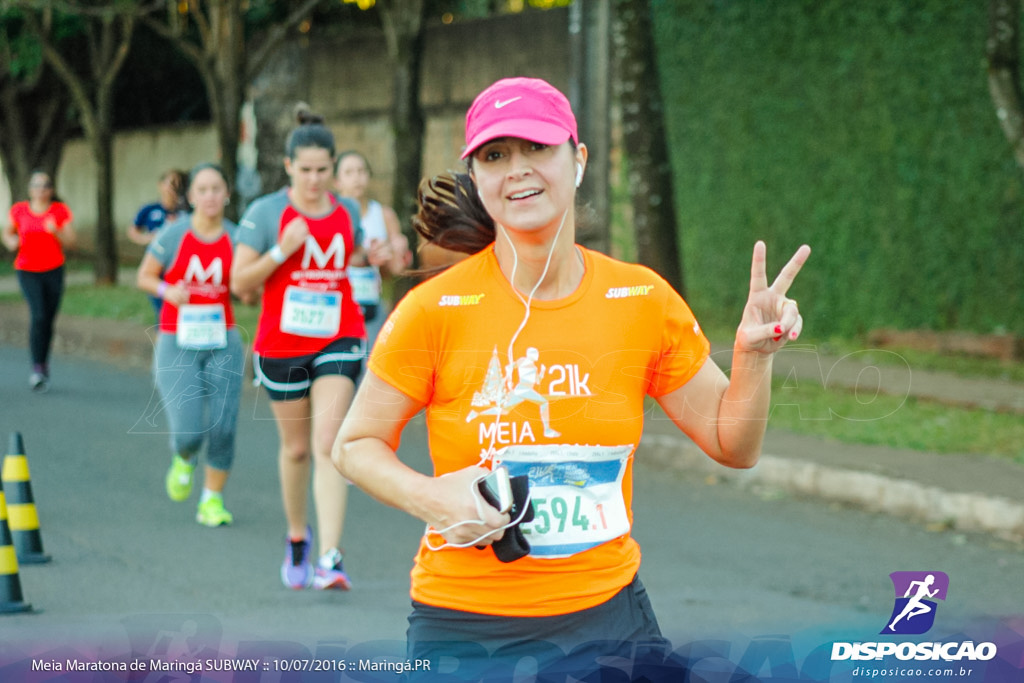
49, 118
33, 116
194, 54
206, 35
66, 73
115, 53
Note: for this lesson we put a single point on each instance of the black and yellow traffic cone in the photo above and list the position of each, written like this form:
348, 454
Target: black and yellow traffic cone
11, 599
21, 507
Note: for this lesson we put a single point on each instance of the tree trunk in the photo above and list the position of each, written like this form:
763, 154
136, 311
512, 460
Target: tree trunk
34, 124
643, 125
590, 96
407, 117
403, 28
225, 89
108, 41
230, 72
105, 256
113, 43
228, 135
1002, 49
274, 93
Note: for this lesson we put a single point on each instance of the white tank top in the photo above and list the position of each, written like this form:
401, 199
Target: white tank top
366, 285
373, 223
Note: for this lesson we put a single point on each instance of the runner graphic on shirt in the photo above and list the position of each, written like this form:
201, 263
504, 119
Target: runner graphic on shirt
501, 396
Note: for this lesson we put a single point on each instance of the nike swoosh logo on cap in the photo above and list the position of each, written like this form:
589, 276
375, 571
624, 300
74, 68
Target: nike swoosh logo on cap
498, 104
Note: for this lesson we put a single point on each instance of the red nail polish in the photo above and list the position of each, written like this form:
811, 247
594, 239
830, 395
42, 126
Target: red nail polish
778, 329
777, 338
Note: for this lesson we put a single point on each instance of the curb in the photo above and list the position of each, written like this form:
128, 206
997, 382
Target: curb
968, 512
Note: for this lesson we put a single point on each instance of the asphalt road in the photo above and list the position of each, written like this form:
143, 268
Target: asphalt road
132, 569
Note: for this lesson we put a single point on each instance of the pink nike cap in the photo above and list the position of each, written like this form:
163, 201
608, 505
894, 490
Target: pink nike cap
527, 108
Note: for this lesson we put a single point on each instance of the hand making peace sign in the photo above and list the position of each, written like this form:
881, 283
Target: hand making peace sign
769, 318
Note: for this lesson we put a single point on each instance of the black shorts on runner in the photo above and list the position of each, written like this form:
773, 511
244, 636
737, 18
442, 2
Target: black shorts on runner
289, 379
624, 629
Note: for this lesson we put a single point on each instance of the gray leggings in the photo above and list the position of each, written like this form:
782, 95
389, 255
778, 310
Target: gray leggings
200, 392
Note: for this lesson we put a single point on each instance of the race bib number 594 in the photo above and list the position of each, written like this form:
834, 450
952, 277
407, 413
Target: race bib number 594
576, 493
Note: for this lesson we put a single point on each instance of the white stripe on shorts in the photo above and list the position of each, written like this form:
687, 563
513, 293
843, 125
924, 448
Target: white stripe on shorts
359, 354
277, 386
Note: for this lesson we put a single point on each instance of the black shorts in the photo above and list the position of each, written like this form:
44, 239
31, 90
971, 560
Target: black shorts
289, 379
624, 627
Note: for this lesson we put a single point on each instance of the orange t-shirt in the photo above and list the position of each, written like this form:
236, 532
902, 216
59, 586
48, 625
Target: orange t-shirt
566, 409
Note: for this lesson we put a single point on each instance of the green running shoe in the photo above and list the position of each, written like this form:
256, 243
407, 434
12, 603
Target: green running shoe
179, 479
211, 513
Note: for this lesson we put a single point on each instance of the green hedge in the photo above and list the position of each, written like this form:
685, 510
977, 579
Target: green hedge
862, 128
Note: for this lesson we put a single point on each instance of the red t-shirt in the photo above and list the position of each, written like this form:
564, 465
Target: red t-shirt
201, 267
39, 250
307, 300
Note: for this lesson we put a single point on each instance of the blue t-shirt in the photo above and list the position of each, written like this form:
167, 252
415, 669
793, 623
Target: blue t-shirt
151, 217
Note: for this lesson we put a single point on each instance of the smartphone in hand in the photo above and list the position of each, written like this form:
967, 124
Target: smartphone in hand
497, 489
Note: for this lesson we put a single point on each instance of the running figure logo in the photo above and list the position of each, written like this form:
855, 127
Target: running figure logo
519, 384
914, 612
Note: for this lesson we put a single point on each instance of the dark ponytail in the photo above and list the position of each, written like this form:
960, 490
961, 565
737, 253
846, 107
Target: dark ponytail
310, 132
451, 215
180, 182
